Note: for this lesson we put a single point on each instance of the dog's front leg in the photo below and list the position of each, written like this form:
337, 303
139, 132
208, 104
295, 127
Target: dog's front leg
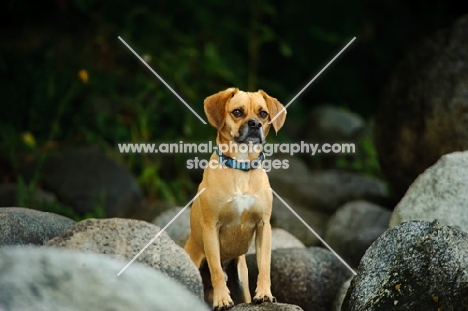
221, 298
263, 250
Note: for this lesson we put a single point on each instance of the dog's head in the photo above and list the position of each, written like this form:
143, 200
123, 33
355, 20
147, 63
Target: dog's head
243, 117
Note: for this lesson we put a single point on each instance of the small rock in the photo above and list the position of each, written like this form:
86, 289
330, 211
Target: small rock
282, 217
295, 165
148, 211
417, 265
21, 226
330, 124
125, 238
309, 278
329, 189
354, 227
441, 192
85, 179
266, 307
44, 279
280, 239
179, 229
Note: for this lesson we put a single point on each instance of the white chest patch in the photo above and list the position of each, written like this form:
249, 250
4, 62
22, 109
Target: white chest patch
241, 201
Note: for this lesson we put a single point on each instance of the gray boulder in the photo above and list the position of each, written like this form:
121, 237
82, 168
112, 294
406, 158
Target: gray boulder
354, 227
328, 124
423, 112
21, 226
179, 229
44, 279
266, 307
279, 239
441, 193
309, 278
329, 189
125, 238
86, 179
296, 166
148, 211
340, 296
282, 217
417, 265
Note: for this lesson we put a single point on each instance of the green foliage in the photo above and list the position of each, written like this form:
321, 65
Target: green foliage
98, 210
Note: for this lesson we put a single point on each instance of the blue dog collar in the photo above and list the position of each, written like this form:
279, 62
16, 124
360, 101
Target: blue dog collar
242, 165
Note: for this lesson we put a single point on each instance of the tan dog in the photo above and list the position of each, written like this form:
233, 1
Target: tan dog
236, 203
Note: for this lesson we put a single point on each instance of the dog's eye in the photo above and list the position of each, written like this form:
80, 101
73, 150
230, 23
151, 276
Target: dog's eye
237, 113
263, 114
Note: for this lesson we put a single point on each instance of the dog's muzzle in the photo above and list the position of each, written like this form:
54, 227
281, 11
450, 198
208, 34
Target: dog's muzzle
251, 132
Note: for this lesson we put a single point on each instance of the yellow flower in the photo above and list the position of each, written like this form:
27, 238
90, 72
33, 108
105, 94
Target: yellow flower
28, 139
83, 75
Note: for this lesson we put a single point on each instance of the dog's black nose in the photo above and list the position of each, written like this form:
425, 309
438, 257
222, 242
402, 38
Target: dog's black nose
254, 123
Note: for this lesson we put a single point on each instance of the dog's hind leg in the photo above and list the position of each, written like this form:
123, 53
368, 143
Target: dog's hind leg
196, 254
207, 286
237, 282
243, 275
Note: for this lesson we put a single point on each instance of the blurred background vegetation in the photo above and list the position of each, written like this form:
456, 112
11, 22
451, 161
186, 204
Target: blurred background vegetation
67, 79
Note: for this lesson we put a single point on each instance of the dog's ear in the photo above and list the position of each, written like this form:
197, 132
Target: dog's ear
274, 107
215, 107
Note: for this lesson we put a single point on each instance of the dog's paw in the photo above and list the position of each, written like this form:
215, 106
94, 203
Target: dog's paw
223, 306
222, 301
263, 297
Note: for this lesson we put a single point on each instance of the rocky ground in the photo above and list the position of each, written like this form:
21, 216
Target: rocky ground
413, 258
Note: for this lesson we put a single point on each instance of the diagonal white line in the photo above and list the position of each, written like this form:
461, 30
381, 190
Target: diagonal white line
160, 232
161, 79
313, 79
313, 231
